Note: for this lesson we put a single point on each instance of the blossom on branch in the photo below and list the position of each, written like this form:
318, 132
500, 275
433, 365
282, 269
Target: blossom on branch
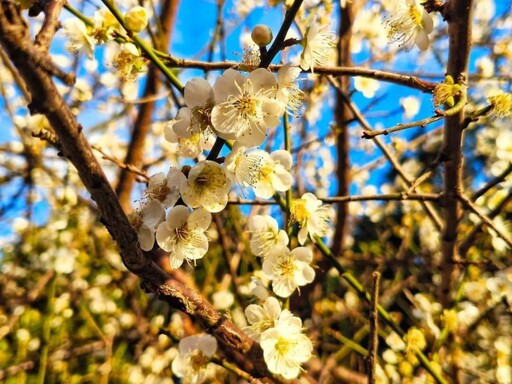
409, 25
318, 44
285, 347
183, 234
263, 317
266, 173
192, 127
79, 39
501, 103
289, 270
245, 107
165, 188
265, 235
195, 353
207, 186
288, 92
145, 221
311, 215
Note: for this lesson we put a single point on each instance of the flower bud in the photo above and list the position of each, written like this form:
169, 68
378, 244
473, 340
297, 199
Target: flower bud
136, 19
261, 35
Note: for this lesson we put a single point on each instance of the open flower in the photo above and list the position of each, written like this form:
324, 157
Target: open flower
183, 234
165, 189
145, 221
289, 269
311, 215
445, 92
207, 186
409, 24
265, 235
366, 85
79, 39
194, 355
263, 317
129, 62
318, 43
246, 107
502, 104
288, 92
285, 347
266, 173
192, 128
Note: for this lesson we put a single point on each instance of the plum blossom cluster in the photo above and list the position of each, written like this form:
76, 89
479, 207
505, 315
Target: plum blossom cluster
280, 334
278, 331
84, 38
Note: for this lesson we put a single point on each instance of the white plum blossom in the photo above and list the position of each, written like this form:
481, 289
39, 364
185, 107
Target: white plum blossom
288, 92
165, 188
366, 85
145, 221
265, 235
411, 106
194, 355
192, 126
79, 39
183, 234
207, 186
311, 215
266, 173
199, 101
246, 106
263, 317
285, 347
318, 43
409, 25
289, 270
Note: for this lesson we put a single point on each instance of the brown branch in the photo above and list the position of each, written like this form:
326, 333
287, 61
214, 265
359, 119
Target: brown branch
135, 153
120, 164
492, 183
485, 219
51, 24
342, 115
352, 198
15, 38
472, 237
277, 45
400, 127
371, 358
431, 213
413, 82
458, 13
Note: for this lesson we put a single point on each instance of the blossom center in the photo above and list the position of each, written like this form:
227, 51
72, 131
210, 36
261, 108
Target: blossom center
246, 106
288, 267
159, 192
284, 346
201, 117
198, 360
182, 233
299, 212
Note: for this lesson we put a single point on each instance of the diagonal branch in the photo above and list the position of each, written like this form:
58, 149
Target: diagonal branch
45, 98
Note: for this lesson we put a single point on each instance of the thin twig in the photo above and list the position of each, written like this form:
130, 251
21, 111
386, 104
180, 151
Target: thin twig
492, 183
349, 199
371, 358
485, 219
400, 127
472, 237
277, 45
432, 214
129, 167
